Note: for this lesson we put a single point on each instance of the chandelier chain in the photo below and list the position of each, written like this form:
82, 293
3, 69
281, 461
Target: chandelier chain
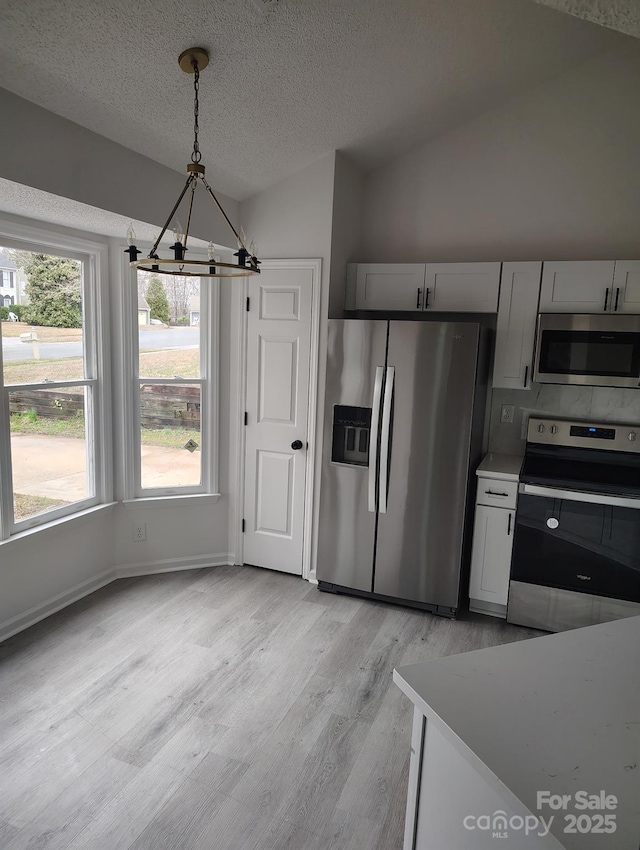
196, 156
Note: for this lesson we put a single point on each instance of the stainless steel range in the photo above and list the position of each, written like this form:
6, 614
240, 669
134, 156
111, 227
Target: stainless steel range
576, 557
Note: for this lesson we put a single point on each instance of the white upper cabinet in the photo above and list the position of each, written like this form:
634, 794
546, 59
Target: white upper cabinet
577, 287
462, 287
382, 286
516, 327
626, 287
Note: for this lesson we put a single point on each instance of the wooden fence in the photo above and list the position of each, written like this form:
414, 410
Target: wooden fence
161, 405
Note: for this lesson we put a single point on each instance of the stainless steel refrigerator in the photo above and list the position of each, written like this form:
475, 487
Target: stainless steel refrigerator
403, 422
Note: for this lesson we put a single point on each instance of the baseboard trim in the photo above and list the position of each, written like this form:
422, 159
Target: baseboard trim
170, 565
39, 612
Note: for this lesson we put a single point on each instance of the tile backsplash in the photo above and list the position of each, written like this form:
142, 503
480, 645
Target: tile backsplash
599, 404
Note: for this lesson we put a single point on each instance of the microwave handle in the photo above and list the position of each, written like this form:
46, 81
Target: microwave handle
615, 306
606, 298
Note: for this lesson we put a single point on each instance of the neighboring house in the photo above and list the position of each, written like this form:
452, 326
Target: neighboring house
194, 310
8, 282
144, 311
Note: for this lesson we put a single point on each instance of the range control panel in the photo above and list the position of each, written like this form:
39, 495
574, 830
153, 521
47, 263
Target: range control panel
588, 435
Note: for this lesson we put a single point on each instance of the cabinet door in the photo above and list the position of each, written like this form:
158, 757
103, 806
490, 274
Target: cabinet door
626, 287
516, 329
491, 554
381, 286
577, 287
462, 287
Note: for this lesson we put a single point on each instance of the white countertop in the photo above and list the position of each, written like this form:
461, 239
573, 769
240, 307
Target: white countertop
503, 467
559, 713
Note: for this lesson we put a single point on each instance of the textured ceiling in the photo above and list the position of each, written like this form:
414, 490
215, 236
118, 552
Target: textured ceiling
370, 77
43, 206
621, 15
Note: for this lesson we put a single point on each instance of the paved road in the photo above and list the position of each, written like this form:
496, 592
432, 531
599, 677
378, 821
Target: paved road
14, 349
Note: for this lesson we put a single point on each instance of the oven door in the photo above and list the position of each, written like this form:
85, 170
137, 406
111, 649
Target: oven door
576, 541
589, 350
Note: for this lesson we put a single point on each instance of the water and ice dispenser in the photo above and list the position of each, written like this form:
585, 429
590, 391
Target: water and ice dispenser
351, 431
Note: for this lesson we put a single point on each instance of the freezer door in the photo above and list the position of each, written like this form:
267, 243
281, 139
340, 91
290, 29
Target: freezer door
420, 532
348, 493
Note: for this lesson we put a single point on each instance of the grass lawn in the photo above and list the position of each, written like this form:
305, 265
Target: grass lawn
13, 329
26, 506
153, 364
29, 423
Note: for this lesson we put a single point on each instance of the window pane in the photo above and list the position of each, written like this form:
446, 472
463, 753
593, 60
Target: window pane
48, 449
170, 435
168, 325
46, 341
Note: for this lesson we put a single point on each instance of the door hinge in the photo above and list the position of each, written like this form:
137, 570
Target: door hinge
246, 418
244, 526
248, 302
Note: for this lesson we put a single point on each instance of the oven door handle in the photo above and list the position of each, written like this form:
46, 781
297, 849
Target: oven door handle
579, 496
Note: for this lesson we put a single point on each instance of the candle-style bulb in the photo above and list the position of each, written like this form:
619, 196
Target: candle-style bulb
211, 251
178, 232
242, 238
253, 248
131, 235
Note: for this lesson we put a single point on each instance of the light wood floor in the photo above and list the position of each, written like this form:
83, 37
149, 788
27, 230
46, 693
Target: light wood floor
224, 709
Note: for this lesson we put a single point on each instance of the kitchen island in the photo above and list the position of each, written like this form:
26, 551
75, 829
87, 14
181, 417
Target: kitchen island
534, 744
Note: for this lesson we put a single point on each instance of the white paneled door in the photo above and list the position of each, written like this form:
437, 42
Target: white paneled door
278, 351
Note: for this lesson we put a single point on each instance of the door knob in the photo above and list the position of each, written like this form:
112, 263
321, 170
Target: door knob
296, 444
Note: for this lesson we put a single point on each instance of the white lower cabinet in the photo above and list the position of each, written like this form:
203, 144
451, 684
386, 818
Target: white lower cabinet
491, 559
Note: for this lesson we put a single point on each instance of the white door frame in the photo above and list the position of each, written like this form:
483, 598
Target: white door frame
239, 377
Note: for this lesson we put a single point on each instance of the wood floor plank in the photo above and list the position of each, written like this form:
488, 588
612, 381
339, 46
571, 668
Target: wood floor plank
224, 709
73, 810
372, 782
190, 745
181, 820
29, 784
342, 608
124, 818
319, 785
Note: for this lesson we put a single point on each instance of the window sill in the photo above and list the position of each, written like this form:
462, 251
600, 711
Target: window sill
60, 523
145, 503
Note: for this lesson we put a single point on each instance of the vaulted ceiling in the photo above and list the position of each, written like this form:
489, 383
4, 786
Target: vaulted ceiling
621, 15
289, 80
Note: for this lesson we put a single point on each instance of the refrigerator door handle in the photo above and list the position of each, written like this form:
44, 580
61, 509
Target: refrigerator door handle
373, 437
385, 437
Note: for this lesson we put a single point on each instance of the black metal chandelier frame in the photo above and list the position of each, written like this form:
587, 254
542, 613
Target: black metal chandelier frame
192, 61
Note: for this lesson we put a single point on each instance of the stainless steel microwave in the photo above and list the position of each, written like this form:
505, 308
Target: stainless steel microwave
589, 349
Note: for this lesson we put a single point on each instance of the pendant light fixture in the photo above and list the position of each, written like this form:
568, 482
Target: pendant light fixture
192, 61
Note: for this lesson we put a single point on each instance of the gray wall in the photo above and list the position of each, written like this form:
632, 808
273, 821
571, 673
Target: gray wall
48, 152
552, 174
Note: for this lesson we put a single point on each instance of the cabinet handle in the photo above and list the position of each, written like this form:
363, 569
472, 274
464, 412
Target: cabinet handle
418, 299
526, 374
426, 298
606, 298
509, 525
493, 493
615, 306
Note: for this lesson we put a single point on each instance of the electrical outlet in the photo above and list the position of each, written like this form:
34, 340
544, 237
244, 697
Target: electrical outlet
139, 532
507, 414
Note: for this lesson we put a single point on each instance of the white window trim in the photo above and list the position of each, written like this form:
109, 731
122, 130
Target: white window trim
209, 399
94, 256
